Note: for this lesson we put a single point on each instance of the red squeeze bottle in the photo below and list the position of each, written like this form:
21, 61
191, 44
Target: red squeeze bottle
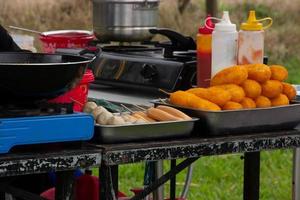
204, 44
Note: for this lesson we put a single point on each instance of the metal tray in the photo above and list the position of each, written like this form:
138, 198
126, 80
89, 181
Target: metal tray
242, 121
143, 132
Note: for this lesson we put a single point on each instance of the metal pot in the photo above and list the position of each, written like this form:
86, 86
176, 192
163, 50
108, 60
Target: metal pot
124, 20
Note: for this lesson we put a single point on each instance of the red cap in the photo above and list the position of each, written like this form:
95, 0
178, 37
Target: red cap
204, 29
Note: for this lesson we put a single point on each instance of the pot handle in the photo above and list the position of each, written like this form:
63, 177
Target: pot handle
94, 51
177, 41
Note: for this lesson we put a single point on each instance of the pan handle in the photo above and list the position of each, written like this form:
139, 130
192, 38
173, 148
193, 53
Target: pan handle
91, 53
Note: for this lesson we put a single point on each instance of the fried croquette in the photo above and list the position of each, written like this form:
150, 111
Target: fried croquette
280, 100
180, 98
231, 105
262, 102
248, 103
186, 99
230, 75
202, 104
278, 72
258, 72
289, 91
252, 88
216, 95
237, 92
271, 88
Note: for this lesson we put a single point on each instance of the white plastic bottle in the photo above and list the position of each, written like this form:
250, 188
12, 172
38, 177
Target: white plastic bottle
251, 40
224, 44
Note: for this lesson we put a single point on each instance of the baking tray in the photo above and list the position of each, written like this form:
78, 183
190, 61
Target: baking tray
242, 121
143, 132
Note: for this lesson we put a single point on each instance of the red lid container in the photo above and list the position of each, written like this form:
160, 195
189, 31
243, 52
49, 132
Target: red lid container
52, 40
77, 95
204, 29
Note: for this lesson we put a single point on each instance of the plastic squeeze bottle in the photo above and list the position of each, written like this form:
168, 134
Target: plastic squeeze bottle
224, 44
204, 38
251, 40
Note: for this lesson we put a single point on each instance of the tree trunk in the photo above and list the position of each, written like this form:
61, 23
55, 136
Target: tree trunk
212, 7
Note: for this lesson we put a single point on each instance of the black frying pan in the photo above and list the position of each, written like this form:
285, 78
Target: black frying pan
34, 76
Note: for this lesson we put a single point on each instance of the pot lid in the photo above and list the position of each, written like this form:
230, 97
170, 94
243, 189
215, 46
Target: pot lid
58, 32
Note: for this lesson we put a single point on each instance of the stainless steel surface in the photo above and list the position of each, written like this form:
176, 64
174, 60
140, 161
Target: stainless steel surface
124, 20
159, 172
127, 96
245, 120
139, 132
296, 174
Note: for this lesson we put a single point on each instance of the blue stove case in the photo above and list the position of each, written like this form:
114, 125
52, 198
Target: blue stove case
45, 129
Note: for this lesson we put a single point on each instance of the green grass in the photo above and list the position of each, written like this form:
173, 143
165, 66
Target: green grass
221, 177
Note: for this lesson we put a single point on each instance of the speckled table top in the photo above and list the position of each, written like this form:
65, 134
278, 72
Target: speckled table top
13, 164
196, 147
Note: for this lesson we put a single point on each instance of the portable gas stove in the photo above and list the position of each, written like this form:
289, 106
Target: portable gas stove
170, 65
148, 66
48, 123
135, 73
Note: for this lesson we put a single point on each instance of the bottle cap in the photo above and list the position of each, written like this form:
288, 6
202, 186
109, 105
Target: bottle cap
225, 24
253, 24
204, 29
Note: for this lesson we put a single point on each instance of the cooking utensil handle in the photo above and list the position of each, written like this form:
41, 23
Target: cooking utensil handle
25, 29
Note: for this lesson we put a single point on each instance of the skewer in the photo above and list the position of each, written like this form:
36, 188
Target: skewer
163, 100
127, 108
76, 101
139, 107
163, 91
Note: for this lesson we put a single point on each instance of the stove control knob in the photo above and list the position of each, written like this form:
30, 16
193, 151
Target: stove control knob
149, 71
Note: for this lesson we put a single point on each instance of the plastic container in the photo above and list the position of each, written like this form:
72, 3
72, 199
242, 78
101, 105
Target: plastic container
251, 40
65, 39
224, 44
204, 39
79, 94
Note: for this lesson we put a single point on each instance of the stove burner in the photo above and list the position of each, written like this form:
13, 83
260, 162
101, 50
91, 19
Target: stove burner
44, 109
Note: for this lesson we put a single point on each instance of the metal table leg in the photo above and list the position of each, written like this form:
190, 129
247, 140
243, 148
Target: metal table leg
108, 181
296, 174
188, 181
115, 178
159, 172
64, 185
163, 179
251, 175
173, 182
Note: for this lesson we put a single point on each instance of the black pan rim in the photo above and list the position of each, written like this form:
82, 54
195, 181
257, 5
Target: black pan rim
85, 60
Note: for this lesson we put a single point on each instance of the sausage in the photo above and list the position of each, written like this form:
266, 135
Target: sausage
139, 117
145, 116
174, 111
161, 115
